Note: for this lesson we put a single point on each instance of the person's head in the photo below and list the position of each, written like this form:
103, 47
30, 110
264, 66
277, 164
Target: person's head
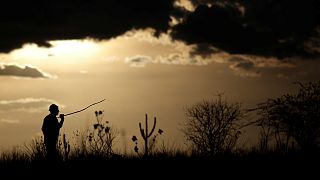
54, 109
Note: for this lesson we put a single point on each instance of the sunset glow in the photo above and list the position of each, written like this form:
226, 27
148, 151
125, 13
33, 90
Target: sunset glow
75, 51
180, 64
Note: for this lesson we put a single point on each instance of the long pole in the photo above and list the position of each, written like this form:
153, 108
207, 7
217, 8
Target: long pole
84, 108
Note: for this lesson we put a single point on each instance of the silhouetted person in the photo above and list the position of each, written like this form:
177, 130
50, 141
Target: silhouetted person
50, 128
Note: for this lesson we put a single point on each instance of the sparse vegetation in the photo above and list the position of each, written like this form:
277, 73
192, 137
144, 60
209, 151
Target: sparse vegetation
213, 127
101, 138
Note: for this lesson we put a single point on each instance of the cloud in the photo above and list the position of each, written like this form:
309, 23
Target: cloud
245, 69
20, 71
251, 66
264, 28
9, 121
27, 104
244, 65
182, 58
138, 60
185, 4
267, 28
42, 21
180, 53
147, 35
179, 58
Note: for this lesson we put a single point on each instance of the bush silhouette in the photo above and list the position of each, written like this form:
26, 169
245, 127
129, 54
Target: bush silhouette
213, 126
293, 118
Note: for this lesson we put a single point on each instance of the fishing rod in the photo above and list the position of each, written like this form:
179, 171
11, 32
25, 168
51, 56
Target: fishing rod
84, 108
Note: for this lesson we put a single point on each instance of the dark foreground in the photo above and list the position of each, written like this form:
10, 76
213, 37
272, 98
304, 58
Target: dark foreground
254, 167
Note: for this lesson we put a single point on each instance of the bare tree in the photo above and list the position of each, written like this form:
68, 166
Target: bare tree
213, 126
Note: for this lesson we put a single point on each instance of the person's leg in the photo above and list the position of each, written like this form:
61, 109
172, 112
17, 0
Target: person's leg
52, 153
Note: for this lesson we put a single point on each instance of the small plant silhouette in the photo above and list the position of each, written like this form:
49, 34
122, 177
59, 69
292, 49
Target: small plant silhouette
146, 135
64, 147
101, 139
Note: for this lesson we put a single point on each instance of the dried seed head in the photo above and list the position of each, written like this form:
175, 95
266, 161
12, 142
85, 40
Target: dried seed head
134, 138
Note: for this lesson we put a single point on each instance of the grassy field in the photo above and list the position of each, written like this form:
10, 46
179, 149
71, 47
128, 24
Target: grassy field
26, 163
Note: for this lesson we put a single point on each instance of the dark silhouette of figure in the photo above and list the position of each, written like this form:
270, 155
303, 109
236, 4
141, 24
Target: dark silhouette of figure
50, 128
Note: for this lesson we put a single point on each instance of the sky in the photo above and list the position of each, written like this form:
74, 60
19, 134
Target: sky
143, 57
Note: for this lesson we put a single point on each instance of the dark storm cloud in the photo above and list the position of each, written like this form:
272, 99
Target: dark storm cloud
280, 28
39, 21
14, 70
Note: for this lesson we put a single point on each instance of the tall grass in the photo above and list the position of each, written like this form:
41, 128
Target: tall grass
34, 152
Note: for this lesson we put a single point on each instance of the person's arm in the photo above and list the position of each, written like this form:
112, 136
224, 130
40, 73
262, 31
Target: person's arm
44, 125
62, 120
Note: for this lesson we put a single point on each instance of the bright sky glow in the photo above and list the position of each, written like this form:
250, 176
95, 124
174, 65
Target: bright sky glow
138, 74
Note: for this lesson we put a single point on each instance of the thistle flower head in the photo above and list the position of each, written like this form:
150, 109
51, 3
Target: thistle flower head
107, 129
136, 149
134, 138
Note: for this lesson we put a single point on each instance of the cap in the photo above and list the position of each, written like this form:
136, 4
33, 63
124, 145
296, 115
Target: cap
53, 107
